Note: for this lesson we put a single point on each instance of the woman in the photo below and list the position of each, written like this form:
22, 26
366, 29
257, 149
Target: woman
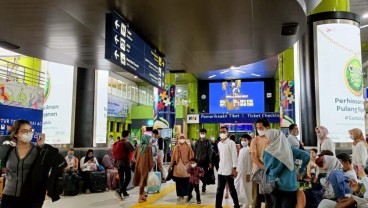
108, 162
279, 166
180, 158
28, 169
243, 184
144, 163
325, 143
312, 166
336, 184
360, 155
88, 164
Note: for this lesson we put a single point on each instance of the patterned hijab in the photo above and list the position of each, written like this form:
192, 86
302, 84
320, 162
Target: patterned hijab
144, 143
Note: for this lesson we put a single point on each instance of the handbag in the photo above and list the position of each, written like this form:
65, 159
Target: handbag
257, 176
261, 178
180, 169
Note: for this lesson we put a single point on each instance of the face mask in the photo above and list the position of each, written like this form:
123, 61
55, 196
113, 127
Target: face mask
193, 165
351, 137
188, 142
26, 137
244, 143
213, 139
319, 135
296, 134
202, 136
70, 155
261, 133
223, 135
181, 141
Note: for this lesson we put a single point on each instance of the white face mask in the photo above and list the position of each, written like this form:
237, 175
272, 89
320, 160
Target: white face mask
26, 137
202, 136
193, 165
213, 139
223, 135
261, 133
188, 142
351, 137
244, 143
181, 141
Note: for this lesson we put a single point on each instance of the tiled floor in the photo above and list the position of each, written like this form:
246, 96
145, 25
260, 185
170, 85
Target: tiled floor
165, 199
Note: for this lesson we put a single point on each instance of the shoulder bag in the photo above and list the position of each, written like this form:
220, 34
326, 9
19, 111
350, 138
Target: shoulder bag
180, 169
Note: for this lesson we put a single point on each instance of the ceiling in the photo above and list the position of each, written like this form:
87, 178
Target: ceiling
360, 7
195, 36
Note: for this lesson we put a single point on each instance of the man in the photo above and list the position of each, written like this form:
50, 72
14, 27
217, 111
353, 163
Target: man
124, 166
118, 138
227, 168
293, 139
158, 141
347, 167
203, 153
257, 146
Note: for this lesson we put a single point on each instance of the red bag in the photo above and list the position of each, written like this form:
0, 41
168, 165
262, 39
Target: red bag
118, 150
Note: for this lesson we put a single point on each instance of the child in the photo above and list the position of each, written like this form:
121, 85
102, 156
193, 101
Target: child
347, 167
243, 184
195, 173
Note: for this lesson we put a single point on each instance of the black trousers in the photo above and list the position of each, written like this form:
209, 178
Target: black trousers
283, 199
222, 180
196, 188
182, 186
15, 202
204, 166
125, 176
86, 181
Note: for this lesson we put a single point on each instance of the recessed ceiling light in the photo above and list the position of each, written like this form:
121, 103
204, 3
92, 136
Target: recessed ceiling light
135, 77
234, 67
224, 72
365, 15
256, 75
212, 76
364, 26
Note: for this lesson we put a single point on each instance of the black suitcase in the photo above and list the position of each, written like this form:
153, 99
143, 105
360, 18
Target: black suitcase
71, 185
98, 181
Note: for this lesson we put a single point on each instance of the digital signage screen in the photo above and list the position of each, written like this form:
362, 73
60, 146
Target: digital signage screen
236, 97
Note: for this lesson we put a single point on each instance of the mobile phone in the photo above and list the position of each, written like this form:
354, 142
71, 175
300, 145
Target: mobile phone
39, 137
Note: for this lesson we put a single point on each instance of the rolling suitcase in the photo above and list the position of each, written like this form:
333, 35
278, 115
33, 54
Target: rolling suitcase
154, 185
98, 181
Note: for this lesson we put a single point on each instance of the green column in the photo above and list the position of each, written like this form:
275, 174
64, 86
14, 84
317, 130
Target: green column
332, 5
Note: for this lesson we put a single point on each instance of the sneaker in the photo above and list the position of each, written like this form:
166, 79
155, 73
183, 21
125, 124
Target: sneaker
118, 194
180, 198
204, 192
188, 199
125, 194
199, 202
88, 191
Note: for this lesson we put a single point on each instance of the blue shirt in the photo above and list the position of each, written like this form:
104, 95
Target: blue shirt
275, 169
339, 183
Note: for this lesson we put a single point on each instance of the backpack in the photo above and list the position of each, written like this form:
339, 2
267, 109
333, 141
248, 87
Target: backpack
118, 150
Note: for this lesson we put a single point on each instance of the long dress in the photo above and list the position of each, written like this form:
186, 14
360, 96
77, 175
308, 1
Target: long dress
144, 164
244, 188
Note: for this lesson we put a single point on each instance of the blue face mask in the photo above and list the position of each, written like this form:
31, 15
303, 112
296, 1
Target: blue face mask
70, 155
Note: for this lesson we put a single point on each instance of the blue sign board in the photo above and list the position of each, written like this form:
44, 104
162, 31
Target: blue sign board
130, 52
238, 117
9, 114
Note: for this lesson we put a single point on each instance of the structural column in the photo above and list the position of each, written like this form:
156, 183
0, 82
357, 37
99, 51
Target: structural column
84, 113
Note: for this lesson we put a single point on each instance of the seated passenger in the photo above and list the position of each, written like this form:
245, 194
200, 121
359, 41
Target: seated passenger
337, 190
88, 164
72, 161
347, 167
108, 162
312, 169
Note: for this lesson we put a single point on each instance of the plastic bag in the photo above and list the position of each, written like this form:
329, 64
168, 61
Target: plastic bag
153, 180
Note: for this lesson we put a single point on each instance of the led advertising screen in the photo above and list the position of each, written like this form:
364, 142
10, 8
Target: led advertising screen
339, 74
236, 97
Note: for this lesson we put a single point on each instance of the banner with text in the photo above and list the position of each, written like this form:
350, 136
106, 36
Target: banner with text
116, 107
238, 117
340, 79
287, 103
164, 108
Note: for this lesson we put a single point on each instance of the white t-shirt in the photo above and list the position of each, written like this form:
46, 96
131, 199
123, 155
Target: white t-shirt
228, 157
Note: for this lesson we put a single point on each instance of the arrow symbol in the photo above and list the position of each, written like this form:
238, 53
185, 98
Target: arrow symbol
117, 24
116, 39
116, 54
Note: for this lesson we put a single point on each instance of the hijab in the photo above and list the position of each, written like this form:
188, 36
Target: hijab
184, 150
280, 148
332, 163
108, 161
358, 136
86, 159
144, 144
323, 132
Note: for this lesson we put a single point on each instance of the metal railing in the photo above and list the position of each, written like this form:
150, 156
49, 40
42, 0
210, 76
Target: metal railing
22, 74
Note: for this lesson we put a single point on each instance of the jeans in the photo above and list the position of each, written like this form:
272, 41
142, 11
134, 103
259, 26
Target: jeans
125, 177
222, 180
283, 199
190, 190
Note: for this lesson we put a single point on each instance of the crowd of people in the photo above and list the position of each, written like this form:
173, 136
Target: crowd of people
267, 168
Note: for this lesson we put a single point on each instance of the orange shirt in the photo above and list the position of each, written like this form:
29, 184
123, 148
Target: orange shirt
258, 145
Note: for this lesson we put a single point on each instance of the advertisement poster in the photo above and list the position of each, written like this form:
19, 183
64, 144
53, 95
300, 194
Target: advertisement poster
9, 114
236, 97
287, 103
116, 107
164, 108
20, 95
57, 112
101, 99
340, 78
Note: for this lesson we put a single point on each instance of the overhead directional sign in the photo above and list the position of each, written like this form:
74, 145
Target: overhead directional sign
129, 51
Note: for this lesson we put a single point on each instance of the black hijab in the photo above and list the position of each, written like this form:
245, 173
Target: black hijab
87, 158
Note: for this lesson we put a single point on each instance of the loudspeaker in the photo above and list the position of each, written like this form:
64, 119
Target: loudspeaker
288, 29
